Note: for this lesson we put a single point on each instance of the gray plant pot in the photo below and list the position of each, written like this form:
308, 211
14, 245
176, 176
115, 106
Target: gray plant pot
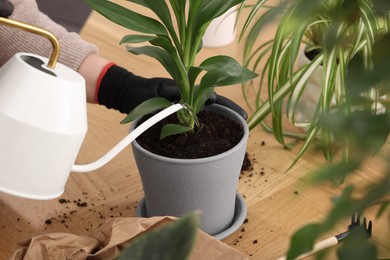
176, 187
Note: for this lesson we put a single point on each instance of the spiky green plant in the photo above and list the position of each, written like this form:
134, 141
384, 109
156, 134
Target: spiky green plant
338, 30
175, 43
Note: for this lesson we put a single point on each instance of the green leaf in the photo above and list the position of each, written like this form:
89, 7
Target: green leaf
359, 78
357, 246
333, 171
310, 137
127, 18
378, 191
251, 16
303, 240
254, 32
364, 130
173, 129
160, 8
384, 205
165, 43
219, 79
214, 79
173, 241
159, 54
222, 64
146, 108
245, 75
193, 73
202, 98
218, 68
221, 71
178, 7
299, 77
136, 38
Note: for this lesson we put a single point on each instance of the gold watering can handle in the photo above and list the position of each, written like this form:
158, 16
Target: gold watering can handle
39, 31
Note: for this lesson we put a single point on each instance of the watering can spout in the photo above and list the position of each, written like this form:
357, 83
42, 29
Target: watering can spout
127, 140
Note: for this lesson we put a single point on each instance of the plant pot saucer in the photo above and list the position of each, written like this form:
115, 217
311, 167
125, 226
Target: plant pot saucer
239, 216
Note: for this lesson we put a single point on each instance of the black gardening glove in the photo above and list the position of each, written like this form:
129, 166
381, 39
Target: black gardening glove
6, 8
122, 90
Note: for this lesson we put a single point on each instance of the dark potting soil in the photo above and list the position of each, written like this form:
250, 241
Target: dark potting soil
247, 163
217, 135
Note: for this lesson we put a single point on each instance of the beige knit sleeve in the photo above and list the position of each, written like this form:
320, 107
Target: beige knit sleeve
73, 49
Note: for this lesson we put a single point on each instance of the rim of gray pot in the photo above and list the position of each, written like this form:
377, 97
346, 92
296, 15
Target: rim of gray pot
238, 119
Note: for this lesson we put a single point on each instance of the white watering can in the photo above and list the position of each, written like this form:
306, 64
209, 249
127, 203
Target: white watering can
43, 122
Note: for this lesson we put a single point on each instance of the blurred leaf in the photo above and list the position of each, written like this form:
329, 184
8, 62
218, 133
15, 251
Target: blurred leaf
173, 241
359, 79
375, 192
384, 205
381, 7
333, 172
344, 206
146, 108
366, 132
307, 8
173, 129
303, 240
357, 246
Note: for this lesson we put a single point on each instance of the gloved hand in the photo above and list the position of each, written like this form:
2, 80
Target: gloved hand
122, 90
6, 8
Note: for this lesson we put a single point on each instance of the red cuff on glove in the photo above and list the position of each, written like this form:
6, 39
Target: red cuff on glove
101, 76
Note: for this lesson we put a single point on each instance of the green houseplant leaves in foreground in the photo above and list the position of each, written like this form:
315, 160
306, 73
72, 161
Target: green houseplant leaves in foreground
175, 46
172, 241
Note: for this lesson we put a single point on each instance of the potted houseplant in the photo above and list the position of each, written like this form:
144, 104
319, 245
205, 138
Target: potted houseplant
354, 57
175, 186
306, 31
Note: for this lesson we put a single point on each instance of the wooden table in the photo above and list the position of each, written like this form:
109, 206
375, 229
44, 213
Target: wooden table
278, 201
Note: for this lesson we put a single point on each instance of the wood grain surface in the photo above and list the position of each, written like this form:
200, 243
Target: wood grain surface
278, 202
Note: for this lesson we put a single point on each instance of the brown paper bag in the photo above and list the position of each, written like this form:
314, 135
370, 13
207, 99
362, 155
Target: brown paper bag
110, 239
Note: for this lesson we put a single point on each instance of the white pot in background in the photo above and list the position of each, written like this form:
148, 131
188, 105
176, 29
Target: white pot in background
221, 31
